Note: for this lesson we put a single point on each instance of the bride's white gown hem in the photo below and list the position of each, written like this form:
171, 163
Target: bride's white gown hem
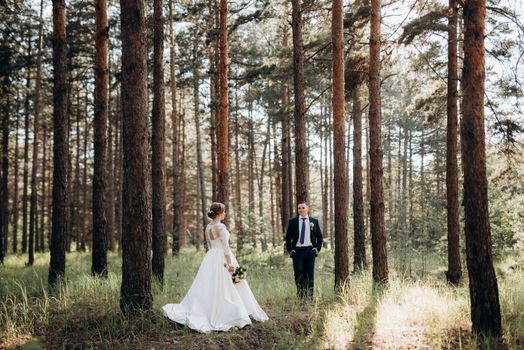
214, 302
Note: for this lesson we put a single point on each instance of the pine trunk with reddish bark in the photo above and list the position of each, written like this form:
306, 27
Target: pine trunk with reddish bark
60, 146
359, 234
454, 272
158, 145
223, 130
484, 296
301, 158
378, 238
99, 256
339, 148
136, 203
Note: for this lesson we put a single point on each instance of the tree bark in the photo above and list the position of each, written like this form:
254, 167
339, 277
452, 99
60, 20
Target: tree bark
454, 272
301, 158
239, 225
159, 147
200, 163
84, 178
4, 210
44, 215
378, 238
99, 256
178, 205
33, 228
26, 147
77, 217
110, 209
136, 233
223, 130
286, 198
15, 209
60, 146
326, 202
340, 181
359, 260
251, 177
484, 296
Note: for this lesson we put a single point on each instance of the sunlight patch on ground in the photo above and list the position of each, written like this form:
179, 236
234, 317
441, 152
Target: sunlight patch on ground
411, 317
338, 326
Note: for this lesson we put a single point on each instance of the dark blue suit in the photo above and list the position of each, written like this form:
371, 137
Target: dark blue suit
303, 257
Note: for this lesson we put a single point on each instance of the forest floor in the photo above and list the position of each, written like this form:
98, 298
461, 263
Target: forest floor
417, 310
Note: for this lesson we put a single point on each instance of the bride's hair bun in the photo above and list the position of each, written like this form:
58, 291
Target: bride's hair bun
215, 210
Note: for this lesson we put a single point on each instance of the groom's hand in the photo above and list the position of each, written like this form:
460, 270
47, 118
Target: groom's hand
291, 253
316, 251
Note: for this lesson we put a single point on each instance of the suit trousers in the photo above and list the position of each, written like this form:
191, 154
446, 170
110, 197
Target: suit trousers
304, 267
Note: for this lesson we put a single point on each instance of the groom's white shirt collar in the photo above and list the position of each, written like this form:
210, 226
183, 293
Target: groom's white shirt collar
303, 217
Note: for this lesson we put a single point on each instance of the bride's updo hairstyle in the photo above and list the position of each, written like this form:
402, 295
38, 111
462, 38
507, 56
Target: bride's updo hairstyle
216, 209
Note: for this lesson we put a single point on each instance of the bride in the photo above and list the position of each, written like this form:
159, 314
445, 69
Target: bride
214, 302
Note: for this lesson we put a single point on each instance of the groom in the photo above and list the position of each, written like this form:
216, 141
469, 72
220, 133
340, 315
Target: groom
303, 242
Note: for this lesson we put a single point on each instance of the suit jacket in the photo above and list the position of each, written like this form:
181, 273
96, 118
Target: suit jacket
292, 234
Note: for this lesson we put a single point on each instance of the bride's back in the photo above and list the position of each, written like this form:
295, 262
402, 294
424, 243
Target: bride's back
216, 235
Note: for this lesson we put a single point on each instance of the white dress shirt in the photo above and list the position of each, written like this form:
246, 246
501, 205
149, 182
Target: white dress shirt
307, 237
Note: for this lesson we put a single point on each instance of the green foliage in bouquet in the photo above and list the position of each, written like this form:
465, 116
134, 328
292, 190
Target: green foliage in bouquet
239, 274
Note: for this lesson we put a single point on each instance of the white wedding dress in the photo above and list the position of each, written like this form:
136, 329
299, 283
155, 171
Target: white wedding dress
214, 302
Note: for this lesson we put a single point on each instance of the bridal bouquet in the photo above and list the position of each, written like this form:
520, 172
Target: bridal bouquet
239, 274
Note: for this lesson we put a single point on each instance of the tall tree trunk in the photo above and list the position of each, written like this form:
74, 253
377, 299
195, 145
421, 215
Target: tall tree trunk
403, 192
136, 233
340, 181
183, 218
4, 210
200, 163
251, 175
286, 142
238, 193
26, 147
454, 272
484, 296
378, 238
43, 198
359, 259
223, 130
214, 62
325, 198
331, 187
60, 146
389, 181
119, 171
15, 209
99, 256
276, 188
110, 209
77, 216
83, 233
33, 228
301, 157
262, 228
71, 206
178, 212
159, 147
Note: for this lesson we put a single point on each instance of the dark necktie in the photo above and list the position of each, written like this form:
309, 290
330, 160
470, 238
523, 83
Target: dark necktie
303, 231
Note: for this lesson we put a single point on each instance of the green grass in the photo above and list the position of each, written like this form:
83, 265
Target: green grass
416, 310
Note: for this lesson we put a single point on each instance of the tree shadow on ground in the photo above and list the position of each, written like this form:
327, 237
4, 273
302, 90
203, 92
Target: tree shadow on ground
366, 324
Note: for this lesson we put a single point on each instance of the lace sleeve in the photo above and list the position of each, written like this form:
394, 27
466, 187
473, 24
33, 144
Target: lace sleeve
206, 234
224, 239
